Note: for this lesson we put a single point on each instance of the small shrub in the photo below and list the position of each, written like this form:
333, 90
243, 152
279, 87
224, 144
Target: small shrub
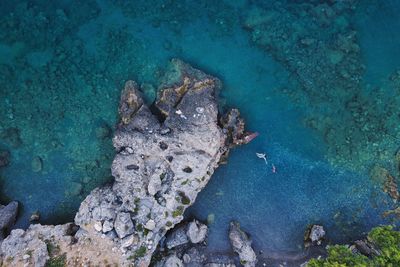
178, 212
59, 261
386, 240
140, 252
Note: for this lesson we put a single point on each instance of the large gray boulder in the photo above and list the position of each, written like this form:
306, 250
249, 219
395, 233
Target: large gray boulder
196, 232
123, 224
241, 244
314, 235
177, 237
8, 214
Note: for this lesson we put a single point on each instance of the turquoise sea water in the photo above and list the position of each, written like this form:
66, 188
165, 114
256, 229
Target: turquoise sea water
62, 65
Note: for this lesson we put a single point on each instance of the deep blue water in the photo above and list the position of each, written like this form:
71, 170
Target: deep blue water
61, 70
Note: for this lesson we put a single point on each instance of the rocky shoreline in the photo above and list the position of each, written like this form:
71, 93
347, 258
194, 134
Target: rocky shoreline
166, 154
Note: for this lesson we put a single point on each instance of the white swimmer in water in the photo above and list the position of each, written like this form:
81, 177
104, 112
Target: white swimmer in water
262, 156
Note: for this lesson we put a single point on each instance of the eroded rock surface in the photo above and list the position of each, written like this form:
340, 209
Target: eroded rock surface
314, 235
162, 163
241, 244
8, 215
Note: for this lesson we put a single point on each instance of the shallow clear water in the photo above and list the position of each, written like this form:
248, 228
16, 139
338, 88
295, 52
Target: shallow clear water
62, 67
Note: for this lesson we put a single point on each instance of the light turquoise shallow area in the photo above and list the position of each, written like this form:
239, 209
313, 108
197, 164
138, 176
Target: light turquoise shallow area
61, 70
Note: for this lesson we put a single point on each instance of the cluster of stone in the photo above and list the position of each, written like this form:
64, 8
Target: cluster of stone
185, 245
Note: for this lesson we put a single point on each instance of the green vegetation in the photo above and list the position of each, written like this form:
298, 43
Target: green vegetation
178, 212
184, 199
386, 240
140, 252
51, 248
146, 231
139, 227
162, 176
59, 261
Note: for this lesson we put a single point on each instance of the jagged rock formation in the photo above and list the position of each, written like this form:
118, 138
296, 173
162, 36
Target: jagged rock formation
162, 163
8, 214
314, 235
241, 244
186, 245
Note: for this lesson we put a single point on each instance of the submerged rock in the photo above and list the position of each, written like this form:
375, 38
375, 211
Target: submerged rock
388, 182
37, 164
4, 158
210, 218
241, 244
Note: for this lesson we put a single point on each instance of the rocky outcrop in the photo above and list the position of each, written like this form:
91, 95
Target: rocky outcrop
314, 235
177, 237
187, 244
8, 214
366, 248
241, 244
193, 232
164, 159
196, 232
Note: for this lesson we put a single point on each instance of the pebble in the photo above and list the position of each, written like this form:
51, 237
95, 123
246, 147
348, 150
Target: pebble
128, 241
150, 225
26, 256
34, 217
98, 227
107, 226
